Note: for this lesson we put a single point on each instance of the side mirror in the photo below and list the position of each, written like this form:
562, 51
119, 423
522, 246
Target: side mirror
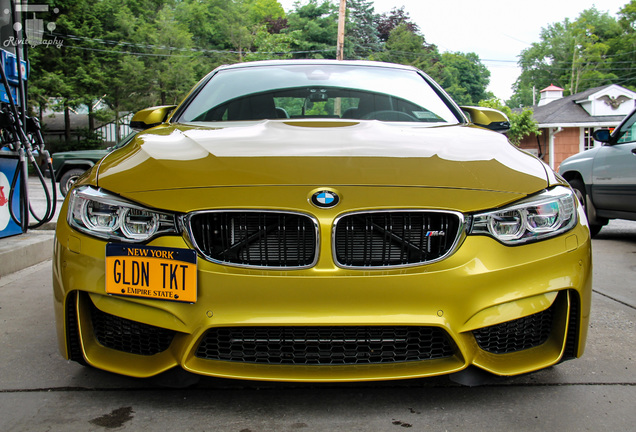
602, 135
150, 117
487, 118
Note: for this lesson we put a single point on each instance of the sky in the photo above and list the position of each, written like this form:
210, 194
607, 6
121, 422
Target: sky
496, 30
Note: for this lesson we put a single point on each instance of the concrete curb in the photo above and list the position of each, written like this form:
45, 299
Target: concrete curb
25, 250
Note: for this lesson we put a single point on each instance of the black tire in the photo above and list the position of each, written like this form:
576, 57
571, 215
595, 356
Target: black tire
69, 178
581, 194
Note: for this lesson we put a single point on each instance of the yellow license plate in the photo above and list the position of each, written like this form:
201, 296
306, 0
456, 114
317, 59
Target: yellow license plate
151, 272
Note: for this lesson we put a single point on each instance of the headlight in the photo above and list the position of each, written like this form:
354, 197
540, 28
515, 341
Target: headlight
545, 215
100, 214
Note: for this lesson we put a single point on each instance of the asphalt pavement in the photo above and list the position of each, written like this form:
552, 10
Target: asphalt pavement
41, 391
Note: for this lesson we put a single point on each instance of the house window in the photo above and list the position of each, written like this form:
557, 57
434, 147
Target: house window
588, 140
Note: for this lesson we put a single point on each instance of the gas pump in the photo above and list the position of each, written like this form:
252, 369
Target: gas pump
20, 141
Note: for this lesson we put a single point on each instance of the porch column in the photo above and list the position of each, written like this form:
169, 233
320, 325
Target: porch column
552, 134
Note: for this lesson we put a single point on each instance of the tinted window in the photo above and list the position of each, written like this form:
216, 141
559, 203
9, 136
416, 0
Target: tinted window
628, 130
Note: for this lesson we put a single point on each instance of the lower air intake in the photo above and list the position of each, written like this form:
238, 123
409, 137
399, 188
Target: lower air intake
325, 345
129, 336
516, 335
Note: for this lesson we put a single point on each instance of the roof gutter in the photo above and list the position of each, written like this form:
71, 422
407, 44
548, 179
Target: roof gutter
604, 124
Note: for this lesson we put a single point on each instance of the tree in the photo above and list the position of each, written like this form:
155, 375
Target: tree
314, 27
592, 31
173, 63
386, 22
207, 21
573, 55
361, 33
130, 54
259, 12
406, 47
128, 82
623, 47
126, 53
271, 45
148, 61
72, 74
465, 78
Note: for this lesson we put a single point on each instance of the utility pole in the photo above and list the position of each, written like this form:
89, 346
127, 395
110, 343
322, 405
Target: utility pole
337, 105
341, 30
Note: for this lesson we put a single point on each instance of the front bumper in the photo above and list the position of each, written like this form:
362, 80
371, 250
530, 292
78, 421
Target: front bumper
482, 293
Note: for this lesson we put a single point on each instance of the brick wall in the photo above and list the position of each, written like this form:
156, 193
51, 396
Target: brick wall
566, 144
530, 144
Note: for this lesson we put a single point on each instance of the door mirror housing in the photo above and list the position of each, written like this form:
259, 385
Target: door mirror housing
487, 118
602, 135
151, 117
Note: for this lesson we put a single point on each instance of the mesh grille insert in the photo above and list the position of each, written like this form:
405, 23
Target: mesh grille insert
72, 330
264, 239
572, 340
325, 345
380, 239
129, 336
516, 335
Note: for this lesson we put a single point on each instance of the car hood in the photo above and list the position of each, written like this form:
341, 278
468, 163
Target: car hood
320, 153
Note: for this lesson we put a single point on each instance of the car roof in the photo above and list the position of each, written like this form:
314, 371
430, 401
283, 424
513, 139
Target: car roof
365, 63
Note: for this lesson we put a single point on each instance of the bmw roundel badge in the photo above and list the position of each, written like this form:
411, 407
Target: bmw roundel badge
325, 199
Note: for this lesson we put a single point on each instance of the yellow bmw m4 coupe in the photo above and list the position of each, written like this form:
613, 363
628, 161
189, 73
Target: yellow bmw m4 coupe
321, 221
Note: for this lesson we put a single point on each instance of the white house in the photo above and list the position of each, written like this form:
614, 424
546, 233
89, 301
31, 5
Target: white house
567, 123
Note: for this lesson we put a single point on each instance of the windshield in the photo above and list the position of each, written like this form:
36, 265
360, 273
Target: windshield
318, 91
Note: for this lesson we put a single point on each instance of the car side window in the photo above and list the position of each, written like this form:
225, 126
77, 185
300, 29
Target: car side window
628, 131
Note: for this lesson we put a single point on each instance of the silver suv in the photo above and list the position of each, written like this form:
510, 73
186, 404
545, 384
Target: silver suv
604, 178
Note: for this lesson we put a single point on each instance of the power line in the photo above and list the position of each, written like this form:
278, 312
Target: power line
140, 54
193, 51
